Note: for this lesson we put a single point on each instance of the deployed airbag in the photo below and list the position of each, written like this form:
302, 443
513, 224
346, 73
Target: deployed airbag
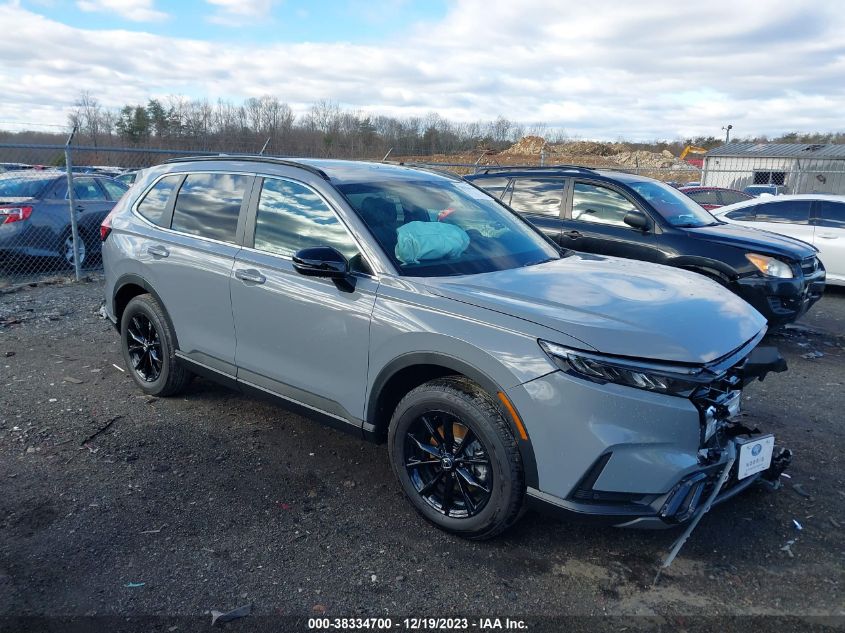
422, 241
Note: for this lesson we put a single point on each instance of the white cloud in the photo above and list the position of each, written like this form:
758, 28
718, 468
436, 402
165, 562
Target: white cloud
650, 69
239, 12
135, 10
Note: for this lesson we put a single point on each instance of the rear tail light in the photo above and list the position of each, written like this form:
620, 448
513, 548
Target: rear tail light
14, 214
105, 227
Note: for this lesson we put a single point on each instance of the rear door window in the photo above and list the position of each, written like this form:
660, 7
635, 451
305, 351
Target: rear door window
599, 205
832, 214
538, 196
208, 205
786, 212
87, 189
154, 204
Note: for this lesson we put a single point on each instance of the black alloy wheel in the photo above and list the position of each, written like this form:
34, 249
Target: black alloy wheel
144, 345
456, 459
149, 348
448, 464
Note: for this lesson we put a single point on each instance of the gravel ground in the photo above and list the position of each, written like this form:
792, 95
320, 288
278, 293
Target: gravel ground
119, 504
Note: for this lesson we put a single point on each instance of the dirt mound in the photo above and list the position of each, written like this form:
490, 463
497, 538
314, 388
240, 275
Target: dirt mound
528, 145
644, 158
584, 148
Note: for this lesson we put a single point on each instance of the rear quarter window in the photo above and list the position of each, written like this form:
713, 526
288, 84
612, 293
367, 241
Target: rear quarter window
154, 203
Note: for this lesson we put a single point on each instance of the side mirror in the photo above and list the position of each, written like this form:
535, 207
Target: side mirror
321, 261
637, 220
326, 262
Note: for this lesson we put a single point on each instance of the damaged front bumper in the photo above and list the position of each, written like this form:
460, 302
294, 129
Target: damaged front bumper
723, 437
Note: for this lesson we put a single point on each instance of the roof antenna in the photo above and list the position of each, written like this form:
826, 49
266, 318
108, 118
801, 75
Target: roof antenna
386, 155
266, 143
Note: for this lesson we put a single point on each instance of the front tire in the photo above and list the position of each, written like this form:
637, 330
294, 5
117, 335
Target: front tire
456, 459
149, 349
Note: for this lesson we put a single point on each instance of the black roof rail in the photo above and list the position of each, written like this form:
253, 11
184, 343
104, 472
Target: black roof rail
253, 158
488, 170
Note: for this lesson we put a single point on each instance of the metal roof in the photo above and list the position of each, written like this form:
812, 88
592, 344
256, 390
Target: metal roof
780, 150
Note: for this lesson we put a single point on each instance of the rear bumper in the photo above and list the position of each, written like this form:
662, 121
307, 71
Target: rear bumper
782, 301
22, 239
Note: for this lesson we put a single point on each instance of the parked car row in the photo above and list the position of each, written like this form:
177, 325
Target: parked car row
817, 219
35, 216
714, 197
506, 364
631, 216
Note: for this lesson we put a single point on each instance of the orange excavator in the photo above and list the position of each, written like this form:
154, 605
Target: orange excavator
693, 149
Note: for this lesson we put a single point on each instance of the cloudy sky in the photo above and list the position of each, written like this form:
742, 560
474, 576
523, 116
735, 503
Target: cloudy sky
608, 69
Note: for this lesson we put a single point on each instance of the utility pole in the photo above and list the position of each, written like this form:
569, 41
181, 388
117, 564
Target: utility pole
728, 133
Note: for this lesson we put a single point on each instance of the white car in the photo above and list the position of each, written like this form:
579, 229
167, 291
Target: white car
815, 218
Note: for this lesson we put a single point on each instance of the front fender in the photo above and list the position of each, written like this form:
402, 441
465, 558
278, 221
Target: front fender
705, 265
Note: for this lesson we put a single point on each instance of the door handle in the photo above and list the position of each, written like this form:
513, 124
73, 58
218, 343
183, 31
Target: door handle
827, 236
250, 275
573, 234
158, 251
79, 207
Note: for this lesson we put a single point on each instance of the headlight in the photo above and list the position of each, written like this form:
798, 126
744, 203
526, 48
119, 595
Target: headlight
770, 266
677, 380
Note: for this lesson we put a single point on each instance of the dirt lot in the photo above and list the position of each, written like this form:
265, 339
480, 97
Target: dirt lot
212, 500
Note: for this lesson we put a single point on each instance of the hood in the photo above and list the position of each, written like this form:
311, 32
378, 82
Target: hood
616, 306
755, 240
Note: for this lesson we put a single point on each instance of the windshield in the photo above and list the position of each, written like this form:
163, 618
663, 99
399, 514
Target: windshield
676, 207
433, 228
18, 186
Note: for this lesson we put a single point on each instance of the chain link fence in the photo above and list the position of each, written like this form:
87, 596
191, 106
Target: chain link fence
53, 197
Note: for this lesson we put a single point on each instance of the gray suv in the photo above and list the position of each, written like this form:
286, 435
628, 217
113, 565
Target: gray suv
411, 307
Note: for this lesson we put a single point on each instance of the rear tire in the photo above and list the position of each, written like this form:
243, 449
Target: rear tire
65, 250
456, 459
149, 349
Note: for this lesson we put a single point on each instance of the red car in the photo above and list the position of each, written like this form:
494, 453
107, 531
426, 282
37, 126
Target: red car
715, 197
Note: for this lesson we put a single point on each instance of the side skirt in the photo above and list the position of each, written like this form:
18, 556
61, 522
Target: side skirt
353, 427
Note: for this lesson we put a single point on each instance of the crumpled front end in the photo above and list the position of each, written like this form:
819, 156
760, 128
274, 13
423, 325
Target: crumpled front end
637, 458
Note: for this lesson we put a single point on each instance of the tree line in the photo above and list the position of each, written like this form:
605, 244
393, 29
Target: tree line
325, 129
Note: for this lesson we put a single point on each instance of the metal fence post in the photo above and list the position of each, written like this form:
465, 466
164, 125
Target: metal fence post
72, 203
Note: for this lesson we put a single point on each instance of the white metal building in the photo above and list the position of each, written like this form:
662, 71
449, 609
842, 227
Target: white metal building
799, 167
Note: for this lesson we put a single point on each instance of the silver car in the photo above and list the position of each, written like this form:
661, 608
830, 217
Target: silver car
411, 307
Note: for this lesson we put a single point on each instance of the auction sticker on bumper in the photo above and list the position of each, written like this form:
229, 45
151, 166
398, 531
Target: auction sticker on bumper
755, 455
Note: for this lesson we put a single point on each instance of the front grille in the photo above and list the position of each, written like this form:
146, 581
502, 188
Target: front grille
809, 265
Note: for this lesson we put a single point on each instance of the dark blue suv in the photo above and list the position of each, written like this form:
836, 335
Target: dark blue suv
626, 215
